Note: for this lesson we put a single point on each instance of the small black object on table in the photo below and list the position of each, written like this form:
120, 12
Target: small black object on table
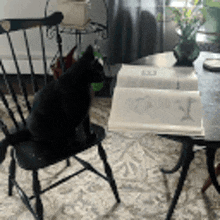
208, 83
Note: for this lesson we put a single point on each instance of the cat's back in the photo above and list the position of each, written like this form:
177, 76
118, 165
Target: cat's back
46, 98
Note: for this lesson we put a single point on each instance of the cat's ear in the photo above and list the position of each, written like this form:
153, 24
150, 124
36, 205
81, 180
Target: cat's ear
89, 53
89, 49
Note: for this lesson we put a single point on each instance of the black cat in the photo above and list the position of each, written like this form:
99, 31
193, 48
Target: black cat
61, 106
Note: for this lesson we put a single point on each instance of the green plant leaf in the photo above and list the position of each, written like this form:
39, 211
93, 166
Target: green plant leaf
204, 13
212, 3
196, 2
160, 17
175, 10
177, 19
188, 13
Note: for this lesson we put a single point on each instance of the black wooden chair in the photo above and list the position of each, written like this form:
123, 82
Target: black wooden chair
29, 155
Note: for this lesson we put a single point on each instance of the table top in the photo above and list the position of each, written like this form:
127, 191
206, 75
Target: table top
208, 85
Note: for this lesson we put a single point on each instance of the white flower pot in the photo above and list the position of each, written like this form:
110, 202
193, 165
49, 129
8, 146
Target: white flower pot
75, 12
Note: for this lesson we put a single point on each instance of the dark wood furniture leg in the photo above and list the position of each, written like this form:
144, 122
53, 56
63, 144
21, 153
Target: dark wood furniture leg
37, 190
25, 199
188, 156
185, 160
108, 172
12, 171
177, 166
68, 162
210, 159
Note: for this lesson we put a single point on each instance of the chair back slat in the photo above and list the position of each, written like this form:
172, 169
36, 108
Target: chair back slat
5, 76
44, 56
26, 97
4, 128
6, 27
13, 55
17, 67
21, 83
59, 43
10, 112
33, 78
14, 97
13, 94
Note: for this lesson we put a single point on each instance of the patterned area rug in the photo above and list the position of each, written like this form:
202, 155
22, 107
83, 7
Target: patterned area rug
136, 160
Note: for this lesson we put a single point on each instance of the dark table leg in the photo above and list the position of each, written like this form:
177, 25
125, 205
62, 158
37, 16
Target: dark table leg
108, 172
210, 159
188, 156
177, 166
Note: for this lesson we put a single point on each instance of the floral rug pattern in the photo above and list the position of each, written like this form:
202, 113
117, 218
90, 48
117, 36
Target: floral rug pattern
136, 159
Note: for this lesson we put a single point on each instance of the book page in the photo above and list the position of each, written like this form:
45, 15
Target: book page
158, 111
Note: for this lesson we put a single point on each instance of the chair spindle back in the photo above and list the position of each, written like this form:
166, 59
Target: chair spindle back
6, 27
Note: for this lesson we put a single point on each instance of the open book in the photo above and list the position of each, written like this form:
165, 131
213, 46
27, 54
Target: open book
163, 111
182, 78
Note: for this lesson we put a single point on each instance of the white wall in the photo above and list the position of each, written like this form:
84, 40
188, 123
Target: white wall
21, 8
30, 8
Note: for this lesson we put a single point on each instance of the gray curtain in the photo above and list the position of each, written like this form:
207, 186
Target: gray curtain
132, 29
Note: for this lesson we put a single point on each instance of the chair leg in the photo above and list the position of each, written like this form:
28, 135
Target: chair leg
68, 162
12, 171
188, 157
25, 199
37, 189
108, 172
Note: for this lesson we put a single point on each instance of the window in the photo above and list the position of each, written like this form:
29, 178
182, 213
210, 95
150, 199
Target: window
179, 3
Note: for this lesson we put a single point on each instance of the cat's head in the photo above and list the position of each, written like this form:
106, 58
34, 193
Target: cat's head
95, 70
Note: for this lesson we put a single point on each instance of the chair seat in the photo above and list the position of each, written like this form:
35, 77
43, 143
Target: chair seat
31, 155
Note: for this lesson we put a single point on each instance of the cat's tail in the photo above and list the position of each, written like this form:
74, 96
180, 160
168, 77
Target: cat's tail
13, 139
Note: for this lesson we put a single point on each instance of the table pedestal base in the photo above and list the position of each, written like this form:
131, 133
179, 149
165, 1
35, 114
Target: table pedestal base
185, 160
186, 157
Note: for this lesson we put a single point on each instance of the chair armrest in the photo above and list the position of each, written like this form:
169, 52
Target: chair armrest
9, 25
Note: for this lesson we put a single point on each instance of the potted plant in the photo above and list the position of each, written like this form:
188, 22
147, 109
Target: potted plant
189, 20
